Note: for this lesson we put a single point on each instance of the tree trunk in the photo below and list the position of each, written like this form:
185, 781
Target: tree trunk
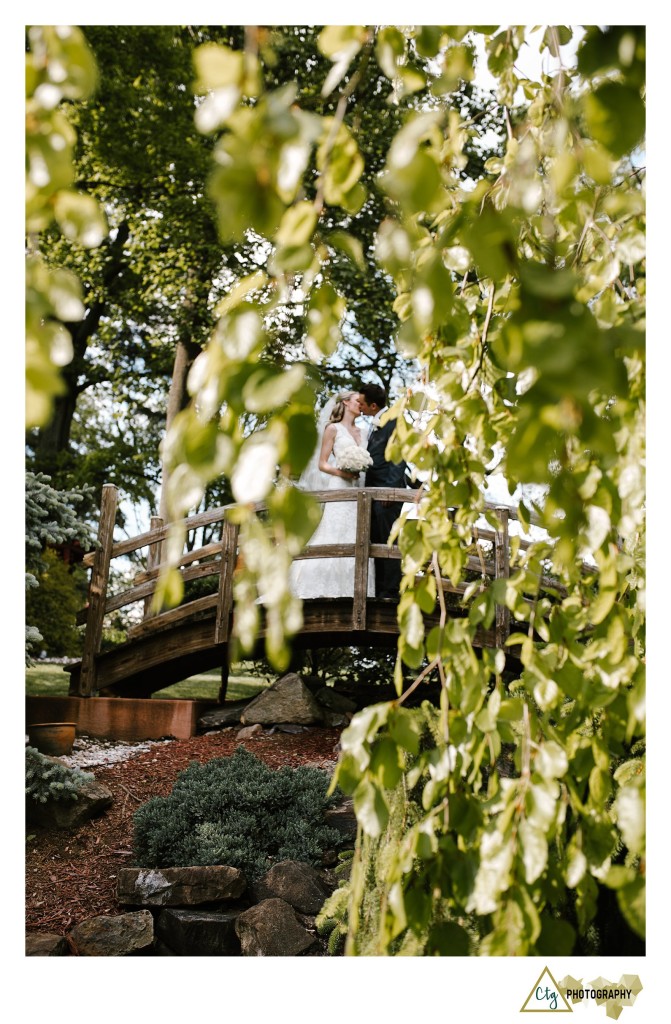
185, 353
55, 436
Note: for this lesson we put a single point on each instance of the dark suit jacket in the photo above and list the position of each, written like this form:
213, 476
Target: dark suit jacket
383, 473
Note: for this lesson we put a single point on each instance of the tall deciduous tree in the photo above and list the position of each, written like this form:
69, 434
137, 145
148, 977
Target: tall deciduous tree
151, 289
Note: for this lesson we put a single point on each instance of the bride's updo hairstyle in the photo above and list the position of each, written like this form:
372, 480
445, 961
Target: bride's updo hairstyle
339, 407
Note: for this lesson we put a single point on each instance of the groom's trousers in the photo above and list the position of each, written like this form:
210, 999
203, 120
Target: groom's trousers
387, 570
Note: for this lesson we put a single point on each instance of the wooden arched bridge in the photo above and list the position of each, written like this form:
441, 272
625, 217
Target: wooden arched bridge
166, 647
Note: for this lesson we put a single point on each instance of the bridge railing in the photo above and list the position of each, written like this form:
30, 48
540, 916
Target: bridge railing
490, 559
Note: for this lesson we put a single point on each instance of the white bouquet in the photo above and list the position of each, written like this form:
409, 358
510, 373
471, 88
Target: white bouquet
353, 459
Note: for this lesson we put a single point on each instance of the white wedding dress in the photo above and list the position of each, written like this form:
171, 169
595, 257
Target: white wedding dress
333, 577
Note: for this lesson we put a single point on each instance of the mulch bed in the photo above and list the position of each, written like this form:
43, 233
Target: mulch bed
71, 876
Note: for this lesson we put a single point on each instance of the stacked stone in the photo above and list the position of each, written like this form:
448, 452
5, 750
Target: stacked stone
202, 911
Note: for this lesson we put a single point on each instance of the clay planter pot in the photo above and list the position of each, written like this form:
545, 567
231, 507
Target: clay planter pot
55, 738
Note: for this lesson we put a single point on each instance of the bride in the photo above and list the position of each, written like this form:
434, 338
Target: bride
342, 444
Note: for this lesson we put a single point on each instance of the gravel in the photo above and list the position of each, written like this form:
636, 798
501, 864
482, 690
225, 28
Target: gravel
87, 751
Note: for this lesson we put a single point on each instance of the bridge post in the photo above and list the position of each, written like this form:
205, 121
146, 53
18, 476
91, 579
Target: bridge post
364, 505
229, 551
502, 571
153, 559
98, 591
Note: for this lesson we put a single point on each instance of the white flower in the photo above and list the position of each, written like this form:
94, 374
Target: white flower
353, 459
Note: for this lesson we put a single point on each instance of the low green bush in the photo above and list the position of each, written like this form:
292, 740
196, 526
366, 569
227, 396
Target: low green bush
48, 780
237, 811
52, 606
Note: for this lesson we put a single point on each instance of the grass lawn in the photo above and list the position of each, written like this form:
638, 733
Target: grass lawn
53, 681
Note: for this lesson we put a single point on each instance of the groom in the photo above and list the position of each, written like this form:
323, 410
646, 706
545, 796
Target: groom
373, 400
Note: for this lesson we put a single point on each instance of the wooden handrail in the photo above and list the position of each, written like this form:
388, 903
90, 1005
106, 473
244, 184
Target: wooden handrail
397, 494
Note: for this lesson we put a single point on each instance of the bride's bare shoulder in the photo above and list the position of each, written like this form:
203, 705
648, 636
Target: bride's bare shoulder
330, 431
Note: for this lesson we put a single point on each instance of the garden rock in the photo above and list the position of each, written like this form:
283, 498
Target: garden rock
179, 887
271, 929
114, 936
342, 818
287, 700
249, 732
294, 882
93, 798
228, 714
199, 932
335, 719
330, 698
46, 944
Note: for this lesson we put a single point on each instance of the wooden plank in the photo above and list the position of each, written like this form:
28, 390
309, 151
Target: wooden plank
98, 590
159, 651
229, 554
153, 559
165, 620
207, 551
502, 561
194, 572
125, 547
361, 556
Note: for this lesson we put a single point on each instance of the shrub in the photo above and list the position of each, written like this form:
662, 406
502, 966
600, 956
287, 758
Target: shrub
236, 811
49, 780
52, 606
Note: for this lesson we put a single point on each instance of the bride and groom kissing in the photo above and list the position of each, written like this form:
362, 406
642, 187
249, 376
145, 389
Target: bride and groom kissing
345, 450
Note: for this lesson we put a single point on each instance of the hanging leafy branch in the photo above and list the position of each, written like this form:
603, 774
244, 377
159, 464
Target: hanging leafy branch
59, 66
522, 299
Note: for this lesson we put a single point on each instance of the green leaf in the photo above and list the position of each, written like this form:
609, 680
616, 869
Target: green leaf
631, 901
556, 36
371, 808
335, 40
534, 851
385, 763
297, 225
349, 245
405, 729
339, 162
551, 761
412, 625
390, 50
217, 66
557, 937
615, 116
629, 809
244, 287
448, 939
266, 389
169, 590
298, 511
539, 279
80, 218
301, 440
491, 239
416, 185
362, 730
632, 769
